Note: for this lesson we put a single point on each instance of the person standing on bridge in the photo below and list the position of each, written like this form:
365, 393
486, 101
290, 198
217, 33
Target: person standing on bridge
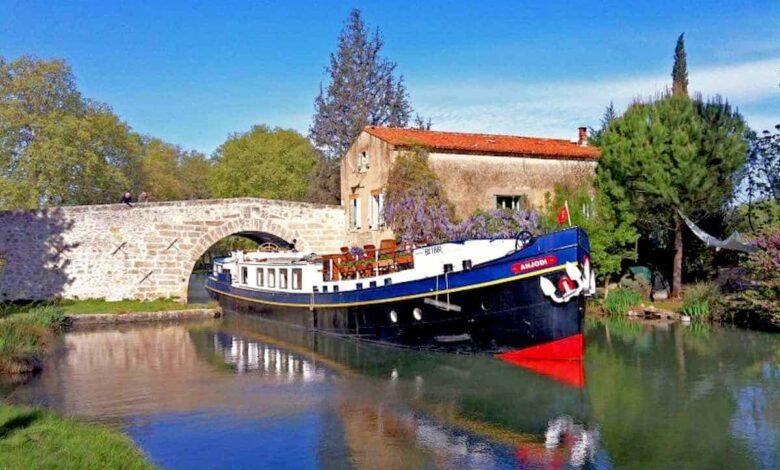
127, 198
143, 197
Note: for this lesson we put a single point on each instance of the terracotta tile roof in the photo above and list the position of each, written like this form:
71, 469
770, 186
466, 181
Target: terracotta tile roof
487, 144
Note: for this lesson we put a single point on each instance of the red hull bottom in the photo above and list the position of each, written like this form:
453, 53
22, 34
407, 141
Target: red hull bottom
560, 359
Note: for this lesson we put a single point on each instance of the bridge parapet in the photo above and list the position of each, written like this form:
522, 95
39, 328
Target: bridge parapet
146, 251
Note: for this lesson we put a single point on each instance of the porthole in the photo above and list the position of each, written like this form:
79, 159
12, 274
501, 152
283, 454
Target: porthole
393, 316
417, 313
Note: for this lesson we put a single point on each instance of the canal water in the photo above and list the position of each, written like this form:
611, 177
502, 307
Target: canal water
242, 393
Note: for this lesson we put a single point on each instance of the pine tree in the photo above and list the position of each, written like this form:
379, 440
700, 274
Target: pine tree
680, 69
363, 90
669, 155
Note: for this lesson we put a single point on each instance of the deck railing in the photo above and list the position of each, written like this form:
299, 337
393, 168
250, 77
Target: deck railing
371, 264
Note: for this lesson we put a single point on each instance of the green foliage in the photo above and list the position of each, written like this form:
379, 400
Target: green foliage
609, 226
264, 162
35, 439
169, 173
638, 284
700, 301
55, 146
24, 337
620, 300
363, 90
671, 154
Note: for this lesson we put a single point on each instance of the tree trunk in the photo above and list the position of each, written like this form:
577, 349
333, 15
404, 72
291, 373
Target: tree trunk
678, 258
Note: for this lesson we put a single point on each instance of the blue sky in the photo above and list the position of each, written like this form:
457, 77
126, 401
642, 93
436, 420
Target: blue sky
193, 72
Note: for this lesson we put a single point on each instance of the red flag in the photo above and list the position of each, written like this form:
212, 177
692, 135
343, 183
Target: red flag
563, 214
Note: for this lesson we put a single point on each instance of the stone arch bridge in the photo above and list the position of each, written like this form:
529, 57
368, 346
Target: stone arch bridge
145, 251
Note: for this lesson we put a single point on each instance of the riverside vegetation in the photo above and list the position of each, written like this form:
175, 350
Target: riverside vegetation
33, 439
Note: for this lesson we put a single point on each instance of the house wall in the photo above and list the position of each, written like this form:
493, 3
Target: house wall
473, 181
361, 185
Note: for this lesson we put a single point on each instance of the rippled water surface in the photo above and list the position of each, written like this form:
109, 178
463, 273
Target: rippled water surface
241, 393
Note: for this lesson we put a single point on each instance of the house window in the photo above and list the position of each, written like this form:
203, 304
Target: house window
377, 211
244, 275
271, 277
297, 276
516, 203
260, 277
282, 279
364, 162
354, 213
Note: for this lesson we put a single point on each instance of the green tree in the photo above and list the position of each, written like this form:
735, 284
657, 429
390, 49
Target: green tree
606, 217
274, 164
363, 90
170, 173
668, 155
56, 147
680, 69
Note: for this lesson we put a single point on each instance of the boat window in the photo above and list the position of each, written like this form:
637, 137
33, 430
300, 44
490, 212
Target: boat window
297, 276
271, 277
372, 284
359, 285
244, 275
324, 288
388, 281
260, 277
466, 264
315, 289
335, 288
447, 268
282, 279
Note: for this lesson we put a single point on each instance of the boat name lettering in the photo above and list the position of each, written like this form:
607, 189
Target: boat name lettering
432, 250
533, 264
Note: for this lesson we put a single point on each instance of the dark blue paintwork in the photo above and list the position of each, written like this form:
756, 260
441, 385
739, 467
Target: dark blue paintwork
567, 245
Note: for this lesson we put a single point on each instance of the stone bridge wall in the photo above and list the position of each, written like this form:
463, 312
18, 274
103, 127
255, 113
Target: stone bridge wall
144, 252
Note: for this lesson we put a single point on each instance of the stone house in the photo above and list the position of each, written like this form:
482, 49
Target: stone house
477, 171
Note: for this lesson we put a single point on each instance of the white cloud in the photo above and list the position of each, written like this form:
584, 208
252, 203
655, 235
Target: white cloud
557, 109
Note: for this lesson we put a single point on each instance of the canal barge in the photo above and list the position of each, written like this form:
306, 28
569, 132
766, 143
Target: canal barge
519, 298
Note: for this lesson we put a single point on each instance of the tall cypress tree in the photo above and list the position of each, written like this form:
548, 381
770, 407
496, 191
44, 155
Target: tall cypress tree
363, 90
680, 69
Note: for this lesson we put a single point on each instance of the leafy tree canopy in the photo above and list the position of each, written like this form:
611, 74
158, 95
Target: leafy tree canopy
170, 173
264, 162
672, 154
55, 146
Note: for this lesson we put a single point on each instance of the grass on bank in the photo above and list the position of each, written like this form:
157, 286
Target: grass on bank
25, 338
91, 306
36, 439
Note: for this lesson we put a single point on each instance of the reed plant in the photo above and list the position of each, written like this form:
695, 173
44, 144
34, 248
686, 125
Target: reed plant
620, 300
25, 337
700, 301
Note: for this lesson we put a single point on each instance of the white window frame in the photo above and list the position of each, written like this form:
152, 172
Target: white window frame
284, 276
272, 277
354, 213
260, 277
297, 278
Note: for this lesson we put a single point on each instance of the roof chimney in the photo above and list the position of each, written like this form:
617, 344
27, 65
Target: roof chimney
582, 139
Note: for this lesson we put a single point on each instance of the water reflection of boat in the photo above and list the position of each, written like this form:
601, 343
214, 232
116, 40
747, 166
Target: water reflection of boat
516, 298
452, 405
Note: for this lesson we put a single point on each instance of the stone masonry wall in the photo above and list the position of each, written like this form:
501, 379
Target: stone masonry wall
144, 252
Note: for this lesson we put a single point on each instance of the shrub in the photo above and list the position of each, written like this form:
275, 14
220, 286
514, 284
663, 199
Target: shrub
700, 301
620, 300
637, 284
25, 336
